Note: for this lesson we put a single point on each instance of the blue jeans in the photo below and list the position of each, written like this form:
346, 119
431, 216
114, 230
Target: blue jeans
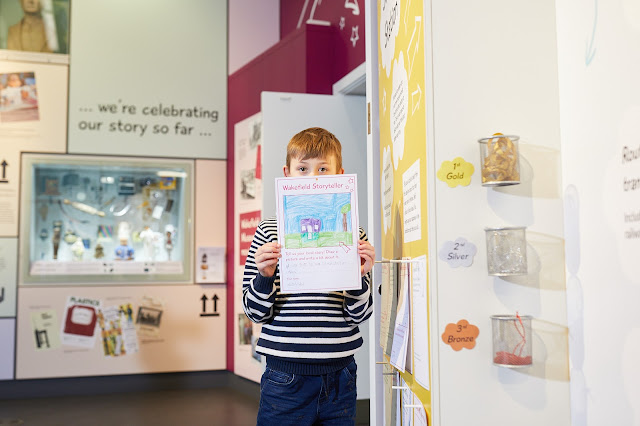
298, 400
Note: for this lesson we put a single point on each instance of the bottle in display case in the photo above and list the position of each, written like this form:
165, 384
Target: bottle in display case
98, 220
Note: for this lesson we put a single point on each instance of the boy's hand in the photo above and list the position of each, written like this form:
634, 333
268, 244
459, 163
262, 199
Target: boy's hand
266, 258
367, 255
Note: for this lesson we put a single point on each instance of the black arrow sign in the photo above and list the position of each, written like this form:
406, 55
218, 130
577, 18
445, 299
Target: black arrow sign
4, 165
204, 303
204, 313
2, 295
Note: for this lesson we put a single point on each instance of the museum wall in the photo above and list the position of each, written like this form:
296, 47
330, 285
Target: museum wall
113, 193
598, 56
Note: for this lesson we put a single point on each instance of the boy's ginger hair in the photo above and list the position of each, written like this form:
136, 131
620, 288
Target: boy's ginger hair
314, 142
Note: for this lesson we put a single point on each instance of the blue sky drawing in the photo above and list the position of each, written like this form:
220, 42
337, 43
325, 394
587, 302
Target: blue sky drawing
325, 207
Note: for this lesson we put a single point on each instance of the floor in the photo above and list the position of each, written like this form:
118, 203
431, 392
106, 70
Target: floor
201, 398
218, 406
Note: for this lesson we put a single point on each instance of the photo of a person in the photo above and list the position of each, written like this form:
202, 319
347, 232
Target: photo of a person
29, 34
18, 97
35, 25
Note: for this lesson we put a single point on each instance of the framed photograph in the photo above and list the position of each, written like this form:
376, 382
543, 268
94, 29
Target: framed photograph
18, 97
34, 27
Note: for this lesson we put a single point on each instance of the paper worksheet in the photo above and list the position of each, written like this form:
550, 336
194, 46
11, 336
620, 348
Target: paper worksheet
413, 412
391, 396
407, 402
419, 414
402, 330
420, 322
318, 230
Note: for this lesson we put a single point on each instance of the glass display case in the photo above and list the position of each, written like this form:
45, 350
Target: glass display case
105, 220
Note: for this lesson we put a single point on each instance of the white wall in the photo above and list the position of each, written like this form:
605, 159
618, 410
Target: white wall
163, 71
599, 63
495, 70
254, 26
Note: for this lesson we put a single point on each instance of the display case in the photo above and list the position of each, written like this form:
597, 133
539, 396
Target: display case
105, 220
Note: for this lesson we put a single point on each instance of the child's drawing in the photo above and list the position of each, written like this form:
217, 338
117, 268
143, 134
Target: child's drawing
317, 220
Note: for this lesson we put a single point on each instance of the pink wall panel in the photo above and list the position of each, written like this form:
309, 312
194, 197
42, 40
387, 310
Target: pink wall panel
251, 33
347, 17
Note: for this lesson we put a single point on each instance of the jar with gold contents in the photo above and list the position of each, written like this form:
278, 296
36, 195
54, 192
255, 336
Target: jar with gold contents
500, 160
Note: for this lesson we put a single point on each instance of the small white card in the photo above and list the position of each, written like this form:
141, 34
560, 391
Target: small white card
318, 233
210, 265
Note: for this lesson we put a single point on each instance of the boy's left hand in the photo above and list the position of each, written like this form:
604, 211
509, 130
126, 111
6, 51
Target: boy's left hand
367, 255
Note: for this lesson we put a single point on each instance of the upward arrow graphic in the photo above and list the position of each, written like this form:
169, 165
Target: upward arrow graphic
215, 302
215, 312
204, 299
4, 165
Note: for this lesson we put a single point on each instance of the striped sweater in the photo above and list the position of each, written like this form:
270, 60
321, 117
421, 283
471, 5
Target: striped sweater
303, 333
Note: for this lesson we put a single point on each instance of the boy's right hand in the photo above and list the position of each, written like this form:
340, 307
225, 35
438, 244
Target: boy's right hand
267, 259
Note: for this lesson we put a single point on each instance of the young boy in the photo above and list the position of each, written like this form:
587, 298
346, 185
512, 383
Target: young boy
308, 339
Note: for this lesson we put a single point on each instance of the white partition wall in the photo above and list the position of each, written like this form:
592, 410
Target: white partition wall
488, 79
599, 62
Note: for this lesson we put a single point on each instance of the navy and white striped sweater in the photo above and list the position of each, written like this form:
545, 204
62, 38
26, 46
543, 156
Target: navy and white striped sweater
305, 333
